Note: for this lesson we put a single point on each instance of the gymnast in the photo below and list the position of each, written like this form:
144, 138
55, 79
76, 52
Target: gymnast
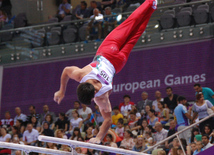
96, 78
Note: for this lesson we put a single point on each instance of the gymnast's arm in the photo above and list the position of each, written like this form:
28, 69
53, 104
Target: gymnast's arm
72, 72
103, 100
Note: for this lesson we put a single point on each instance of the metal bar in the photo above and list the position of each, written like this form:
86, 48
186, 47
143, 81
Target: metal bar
28, 149
181, 145
170, 137
73, 143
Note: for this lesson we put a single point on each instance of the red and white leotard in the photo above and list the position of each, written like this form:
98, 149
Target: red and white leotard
103, 71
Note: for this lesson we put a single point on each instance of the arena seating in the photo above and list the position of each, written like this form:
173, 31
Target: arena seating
186, 16
170, 23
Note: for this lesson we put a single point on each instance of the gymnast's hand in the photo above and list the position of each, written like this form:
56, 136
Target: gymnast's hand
95, 140
58, 96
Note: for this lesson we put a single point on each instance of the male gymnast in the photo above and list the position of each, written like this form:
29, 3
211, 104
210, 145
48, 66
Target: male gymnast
96, 78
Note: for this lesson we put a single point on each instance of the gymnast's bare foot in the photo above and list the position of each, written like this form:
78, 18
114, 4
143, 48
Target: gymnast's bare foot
95, 140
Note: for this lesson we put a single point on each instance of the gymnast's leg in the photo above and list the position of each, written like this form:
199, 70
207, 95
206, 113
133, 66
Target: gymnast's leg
133, 38
125, 33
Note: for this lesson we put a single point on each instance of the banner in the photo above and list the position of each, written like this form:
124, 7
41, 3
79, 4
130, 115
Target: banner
179, 67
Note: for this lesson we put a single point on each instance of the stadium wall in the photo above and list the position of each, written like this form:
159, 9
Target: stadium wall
178, 66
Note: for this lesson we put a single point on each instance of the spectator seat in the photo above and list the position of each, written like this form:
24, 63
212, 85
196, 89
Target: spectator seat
167, 20
82, 32
184, 17
69, 34
201, 15
53, 37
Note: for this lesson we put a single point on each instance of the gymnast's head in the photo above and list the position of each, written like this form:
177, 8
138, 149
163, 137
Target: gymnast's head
85, 93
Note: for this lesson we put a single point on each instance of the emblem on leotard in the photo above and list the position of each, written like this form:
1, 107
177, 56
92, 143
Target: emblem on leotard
114, 48
102, 75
